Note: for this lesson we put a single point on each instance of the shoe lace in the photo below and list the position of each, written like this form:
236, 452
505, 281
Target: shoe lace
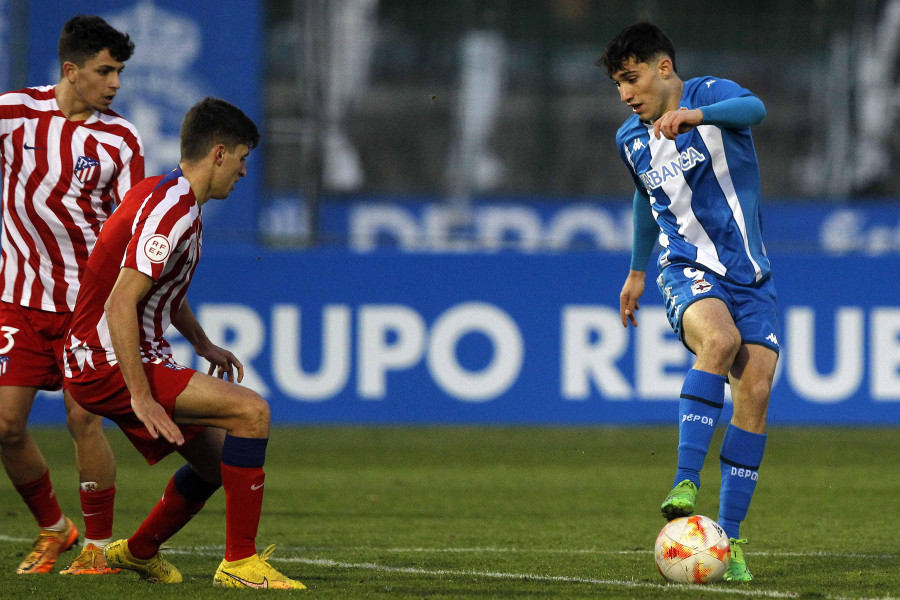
272, 573
89, 557
736, 551
265, 554
44, 540
159, 562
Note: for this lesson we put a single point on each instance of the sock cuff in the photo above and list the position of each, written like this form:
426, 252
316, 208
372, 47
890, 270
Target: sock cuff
244, 452
33, 486
741, 448
704, 387
192, 486
96, 496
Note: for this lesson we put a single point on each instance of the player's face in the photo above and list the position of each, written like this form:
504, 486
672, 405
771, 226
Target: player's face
643, 88
232, 168
97, 81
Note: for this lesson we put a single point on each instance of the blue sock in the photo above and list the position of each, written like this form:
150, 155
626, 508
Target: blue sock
702, 398
742, 453
192, 486
244, 452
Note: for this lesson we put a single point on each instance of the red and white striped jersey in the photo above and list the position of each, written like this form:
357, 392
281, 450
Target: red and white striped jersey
157, 230
61, 180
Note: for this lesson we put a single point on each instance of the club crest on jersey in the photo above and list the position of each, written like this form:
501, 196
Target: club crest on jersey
4, 364
701, 286
157, 248
85, 168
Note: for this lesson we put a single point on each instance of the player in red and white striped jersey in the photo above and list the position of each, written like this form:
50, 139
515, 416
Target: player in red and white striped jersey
119, 365
155, 232
66, 161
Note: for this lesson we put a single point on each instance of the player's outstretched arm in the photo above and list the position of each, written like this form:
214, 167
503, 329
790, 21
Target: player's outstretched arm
221, 361
628, 298
121, 315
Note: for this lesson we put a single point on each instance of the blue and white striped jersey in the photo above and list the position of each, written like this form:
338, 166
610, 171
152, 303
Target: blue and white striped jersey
703, 188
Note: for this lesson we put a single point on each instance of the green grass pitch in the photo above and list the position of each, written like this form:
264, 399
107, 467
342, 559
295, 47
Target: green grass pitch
496, 512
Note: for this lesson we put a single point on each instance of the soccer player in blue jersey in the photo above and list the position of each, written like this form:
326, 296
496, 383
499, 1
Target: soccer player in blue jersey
688, 148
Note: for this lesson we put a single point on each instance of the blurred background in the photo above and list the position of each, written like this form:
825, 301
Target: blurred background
396, 90
485, 99
437, 223
503, 99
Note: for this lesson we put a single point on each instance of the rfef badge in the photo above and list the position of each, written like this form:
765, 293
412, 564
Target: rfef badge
157, 248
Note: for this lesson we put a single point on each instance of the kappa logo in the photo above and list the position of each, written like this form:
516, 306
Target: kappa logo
637, 145
771, 337
85, 168
709, 83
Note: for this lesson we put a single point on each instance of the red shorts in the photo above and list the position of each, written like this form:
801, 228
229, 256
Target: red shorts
31, 346
103, 392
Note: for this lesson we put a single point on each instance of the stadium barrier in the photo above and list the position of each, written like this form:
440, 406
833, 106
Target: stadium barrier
337, 336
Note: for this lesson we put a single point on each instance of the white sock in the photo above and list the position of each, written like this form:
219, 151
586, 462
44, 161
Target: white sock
59, 526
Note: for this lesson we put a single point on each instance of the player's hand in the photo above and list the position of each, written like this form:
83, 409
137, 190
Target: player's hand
222, 363
154, 417
628, 298
676, 122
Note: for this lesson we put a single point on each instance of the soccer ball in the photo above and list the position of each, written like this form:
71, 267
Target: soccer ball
692, 550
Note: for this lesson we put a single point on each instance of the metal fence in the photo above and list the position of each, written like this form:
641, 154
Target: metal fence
503, 97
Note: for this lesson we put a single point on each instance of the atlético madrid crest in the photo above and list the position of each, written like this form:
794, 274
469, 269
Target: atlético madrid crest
85, 168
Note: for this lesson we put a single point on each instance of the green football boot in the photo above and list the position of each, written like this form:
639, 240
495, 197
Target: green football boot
737, 568
680, 501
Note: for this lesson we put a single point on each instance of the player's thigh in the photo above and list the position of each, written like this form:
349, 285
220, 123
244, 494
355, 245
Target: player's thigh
217, 403
709, 330
753, 371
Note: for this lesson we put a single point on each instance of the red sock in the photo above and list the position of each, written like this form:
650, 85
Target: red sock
97, 507
41, 501
169, 515
243, 504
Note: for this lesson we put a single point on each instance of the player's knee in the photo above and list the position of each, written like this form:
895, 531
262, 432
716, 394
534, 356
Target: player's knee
758, 394
82, 424
254, 417
722, 346
13, 431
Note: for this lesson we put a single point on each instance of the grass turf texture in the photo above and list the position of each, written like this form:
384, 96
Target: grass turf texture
500, 513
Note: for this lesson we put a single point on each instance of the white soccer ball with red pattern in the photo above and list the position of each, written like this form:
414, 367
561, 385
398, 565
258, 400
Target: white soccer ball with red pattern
692, 550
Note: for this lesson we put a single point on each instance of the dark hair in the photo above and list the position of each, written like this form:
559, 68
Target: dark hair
84, 36
213, 121
642, 41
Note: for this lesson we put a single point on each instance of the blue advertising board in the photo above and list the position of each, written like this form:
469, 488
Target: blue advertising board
335, 336
184, 51
541, 224
6, 45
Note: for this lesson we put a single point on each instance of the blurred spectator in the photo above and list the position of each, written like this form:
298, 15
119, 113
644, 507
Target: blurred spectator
351, 36
473, 166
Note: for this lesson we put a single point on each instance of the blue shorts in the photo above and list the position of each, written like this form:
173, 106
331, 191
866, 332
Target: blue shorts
754, 309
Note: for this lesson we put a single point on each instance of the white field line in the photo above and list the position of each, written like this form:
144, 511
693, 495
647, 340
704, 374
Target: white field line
215, 551
514, 550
